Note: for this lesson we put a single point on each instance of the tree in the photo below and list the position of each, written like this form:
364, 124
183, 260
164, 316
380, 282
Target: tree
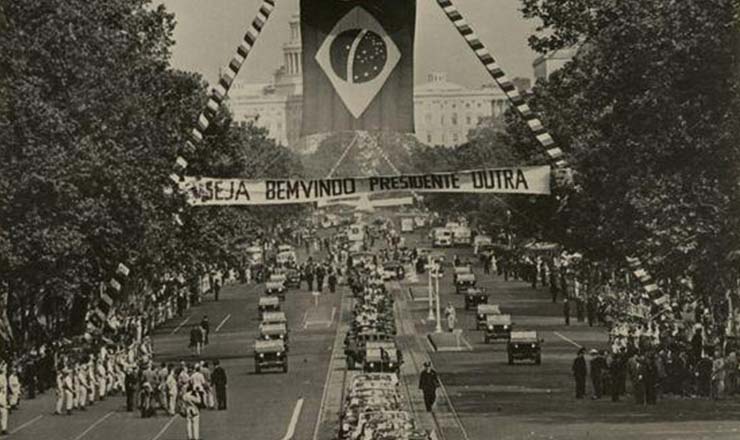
644, 112
92, 116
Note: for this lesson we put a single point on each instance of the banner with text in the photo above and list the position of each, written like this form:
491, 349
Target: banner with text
208, 191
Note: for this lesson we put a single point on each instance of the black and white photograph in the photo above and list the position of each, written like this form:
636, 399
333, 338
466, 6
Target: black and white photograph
370, 219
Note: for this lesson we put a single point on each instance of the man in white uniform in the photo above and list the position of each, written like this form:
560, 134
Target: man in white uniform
3, 399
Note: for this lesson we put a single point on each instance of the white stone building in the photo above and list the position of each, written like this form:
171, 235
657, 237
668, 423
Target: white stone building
444, 111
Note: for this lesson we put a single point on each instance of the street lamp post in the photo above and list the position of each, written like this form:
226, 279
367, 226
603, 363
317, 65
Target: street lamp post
430, 317
436, 285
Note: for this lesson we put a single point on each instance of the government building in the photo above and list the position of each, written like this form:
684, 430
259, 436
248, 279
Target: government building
444, 111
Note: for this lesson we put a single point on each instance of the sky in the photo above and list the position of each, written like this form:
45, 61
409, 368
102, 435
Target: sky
208, 32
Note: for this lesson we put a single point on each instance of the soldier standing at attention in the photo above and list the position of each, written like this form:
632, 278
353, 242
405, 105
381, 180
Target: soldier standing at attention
60, 392
579, 373
3, 399
428, 384
171, 388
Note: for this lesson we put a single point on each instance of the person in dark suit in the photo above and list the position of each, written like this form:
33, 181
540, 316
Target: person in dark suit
130, 383
598, 368
428, 384
579, 373
218, 378
216, 289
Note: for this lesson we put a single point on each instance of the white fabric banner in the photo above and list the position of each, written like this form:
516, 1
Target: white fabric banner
208, 191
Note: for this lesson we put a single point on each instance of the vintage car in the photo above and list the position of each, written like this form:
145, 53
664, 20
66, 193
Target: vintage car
272, 332
393, 270
275, 288
278, 276
354, 346
497, 327
464, 281
285, 258
481, 240
461, 270
482, 312
270, 354
273, 318
381, 357
524, 345
268, 304
442, 237
474, 297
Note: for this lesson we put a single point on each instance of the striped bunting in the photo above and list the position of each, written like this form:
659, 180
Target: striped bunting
103, 309
642, 275
123, 269
219, 92
535, 125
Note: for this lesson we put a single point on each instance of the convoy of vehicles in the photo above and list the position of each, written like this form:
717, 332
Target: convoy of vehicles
370, 343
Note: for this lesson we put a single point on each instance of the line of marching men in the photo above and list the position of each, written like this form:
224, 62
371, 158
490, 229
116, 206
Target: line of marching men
83, 380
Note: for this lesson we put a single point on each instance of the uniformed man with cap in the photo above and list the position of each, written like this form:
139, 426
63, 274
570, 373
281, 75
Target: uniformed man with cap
102, 374
580, 372
428, 384
82, 386
60, 392
92, 381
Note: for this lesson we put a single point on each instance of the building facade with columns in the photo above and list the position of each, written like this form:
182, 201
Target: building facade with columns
444, 111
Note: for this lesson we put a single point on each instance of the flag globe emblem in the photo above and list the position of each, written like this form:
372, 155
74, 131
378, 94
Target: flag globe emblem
358, 56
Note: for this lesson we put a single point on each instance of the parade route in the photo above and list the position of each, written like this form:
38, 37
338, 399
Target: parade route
267, 406
526, 401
